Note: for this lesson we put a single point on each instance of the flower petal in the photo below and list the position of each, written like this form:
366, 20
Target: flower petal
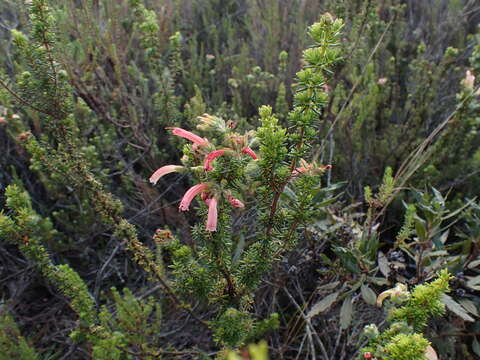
190, 194
235, 202
164, 170
250, 152
212, 215
187, 135
210, 157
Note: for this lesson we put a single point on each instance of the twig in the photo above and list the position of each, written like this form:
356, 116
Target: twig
23, 101
354, 88
309, 328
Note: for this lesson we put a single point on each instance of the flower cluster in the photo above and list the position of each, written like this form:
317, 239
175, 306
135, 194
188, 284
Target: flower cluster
204, 148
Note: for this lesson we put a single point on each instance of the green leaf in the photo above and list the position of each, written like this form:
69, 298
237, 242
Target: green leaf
474, 264
420, 229
239, 250
346, 313
322, 305
458, 211
329, 286
325, 202
326, 259
469, 306
289, 193
348, 259
473, 281
438, 196
456, 308
378, 280
368, 295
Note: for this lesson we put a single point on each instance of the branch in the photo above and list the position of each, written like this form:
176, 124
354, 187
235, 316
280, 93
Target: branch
23, 101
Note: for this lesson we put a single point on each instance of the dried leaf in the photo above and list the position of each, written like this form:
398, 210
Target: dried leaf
322, 305
383, 264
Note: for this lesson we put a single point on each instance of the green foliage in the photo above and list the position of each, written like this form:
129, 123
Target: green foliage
224, 269
424, 302
255, 351
408, 224
232, 328
12, 344
405, 347
91, 86
29, 231
134, 324
403, 339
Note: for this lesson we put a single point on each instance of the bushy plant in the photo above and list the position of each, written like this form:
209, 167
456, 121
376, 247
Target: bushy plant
90, 96
222, 266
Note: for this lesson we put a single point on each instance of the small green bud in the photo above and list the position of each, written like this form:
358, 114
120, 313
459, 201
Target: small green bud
421, 48
233, 83
371, 331
176, 38
257, 69
451, 52
283, 56
62, 75
368, 194
26, 75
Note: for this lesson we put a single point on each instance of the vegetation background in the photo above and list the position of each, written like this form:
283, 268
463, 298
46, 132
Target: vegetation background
400, 127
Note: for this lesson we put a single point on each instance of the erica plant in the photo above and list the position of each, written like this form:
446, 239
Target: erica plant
257, 192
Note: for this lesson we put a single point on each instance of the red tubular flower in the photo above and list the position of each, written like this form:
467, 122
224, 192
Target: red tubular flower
190, 194
212, 215
164, 170
235, 202
187, 135
210, 157
250, 152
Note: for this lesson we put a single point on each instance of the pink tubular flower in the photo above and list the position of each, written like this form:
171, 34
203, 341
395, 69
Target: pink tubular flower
235, 202
212, 215
190, 194
164, 170
250, 152
299, 171
312, 168
204, 197
212, 156
187, 135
